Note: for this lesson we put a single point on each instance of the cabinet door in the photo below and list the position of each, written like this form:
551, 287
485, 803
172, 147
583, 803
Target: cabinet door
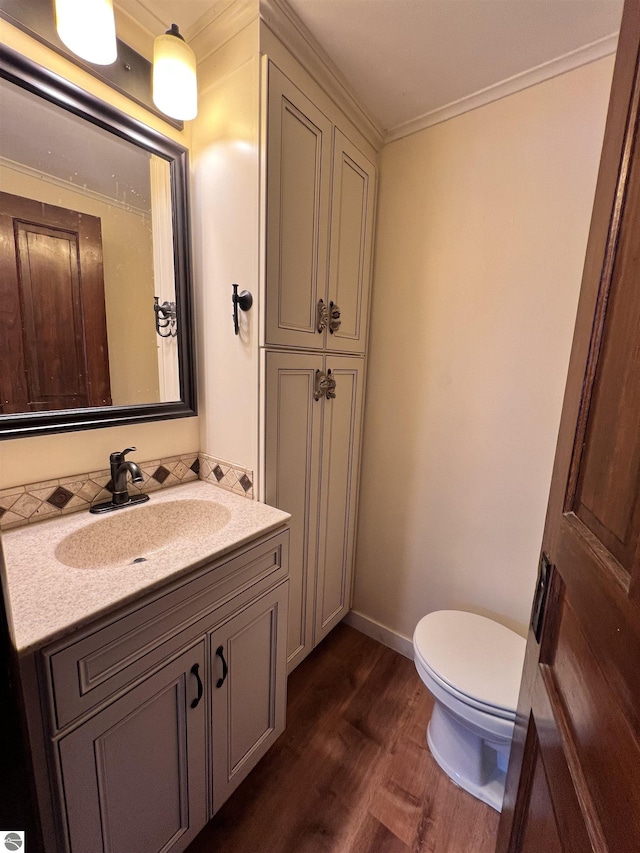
298, 188
293, 421
249, 686
339, 491
134, 776
352, 206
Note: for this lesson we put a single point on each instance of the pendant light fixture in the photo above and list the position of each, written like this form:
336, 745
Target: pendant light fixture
175, 88
87, 27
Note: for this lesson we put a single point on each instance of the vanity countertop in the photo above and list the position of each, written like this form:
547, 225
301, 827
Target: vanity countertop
47, 599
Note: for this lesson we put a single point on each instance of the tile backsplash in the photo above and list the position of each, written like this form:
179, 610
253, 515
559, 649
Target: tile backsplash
226, 475
36, 501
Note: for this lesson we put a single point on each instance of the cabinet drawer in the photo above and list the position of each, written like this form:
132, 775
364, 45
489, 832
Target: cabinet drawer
84, 673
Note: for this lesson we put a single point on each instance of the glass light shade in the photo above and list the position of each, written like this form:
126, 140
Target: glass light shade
88, 28
175, 86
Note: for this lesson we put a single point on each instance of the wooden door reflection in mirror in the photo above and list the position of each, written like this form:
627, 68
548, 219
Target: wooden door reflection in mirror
54, 345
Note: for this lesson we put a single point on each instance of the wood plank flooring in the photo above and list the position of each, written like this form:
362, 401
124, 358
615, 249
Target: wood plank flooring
352, 772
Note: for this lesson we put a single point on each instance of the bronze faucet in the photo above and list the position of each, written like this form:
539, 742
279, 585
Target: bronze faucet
118, 485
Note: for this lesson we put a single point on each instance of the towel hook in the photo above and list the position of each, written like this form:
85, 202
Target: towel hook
242, 300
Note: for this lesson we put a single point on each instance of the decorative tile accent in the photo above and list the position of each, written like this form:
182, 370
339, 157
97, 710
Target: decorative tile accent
160, 474
60, 497
26, 505
21, 505
8, 498
228, 476
180, 470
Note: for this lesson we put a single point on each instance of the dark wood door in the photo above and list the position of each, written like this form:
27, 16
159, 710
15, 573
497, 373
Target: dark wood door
53, 347
574, 778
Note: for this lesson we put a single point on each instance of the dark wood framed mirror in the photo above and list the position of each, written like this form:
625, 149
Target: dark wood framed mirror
94, 230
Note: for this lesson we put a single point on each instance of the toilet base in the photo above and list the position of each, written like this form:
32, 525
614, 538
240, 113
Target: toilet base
475, 764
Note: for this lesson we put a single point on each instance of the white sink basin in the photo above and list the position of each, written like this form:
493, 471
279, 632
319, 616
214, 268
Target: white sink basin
136, 534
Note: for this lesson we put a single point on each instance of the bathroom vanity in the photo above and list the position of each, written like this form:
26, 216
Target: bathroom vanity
152, 651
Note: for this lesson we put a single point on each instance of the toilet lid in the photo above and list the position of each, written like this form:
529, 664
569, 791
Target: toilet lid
475, 656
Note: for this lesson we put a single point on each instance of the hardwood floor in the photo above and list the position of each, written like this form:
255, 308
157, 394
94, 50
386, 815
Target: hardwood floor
352, 772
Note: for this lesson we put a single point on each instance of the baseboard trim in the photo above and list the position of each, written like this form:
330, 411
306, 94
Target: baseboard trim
379, 632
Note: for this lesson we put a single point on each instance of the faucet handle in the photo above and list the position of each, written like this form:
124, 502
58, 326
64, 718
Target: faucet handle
118, 456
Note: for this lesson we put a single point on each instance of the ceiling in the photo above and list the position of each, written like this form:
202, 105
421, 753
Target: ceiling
415, 62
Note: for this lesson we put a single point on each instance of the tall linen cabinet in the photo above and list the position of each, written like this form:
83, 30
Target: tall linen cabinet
319, 202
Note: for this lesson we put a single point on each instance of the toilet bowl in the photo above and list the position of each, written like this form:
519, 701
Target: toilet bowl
472, 666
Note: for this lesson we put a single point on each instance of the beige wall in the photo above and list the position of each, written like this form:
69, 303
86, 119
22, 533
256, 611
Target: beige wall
29, 460
482, 228
226, 227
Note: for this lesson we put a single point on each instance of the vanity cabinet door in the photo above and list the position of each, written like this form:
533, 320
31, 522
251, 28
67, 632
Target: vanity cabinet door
134, 776
352, 207
298, 189
341, 432
248, 685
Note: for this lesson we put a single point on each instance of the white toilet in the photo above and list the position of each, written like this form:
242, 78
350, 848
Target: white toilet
472, 667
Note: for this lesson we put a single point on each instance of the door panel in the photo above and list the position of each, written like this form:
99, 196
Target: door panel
607, 470
134, 775
580, 697
340, 458
249, 695
352, 203
53, 351
540, 831
599, 724
293, 437
52, 317
298, 187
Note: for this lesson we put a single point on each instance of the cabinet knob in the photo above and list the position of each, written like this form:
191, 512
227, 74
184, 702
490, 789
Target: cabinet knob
330, 393
320, 385
324, 386
334, 318
328, 317
323, 316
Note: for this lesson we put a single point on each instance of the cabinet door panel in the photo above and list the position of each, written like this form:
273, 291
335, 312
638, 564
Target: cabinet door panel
298, 187
340, 461
352, 204
293, 434
134, 776
248, 706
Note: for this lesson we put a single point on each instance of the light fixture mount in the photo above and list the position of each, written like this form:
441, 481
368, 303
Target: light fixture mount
174, 30
130, 74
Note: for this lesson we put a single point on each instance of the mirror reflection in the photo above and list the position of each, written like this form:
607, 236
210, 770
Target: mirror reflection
86, 243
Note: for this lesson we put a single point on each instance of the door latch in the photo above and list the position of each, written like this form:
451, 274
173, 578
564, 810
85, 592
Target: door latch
541, 595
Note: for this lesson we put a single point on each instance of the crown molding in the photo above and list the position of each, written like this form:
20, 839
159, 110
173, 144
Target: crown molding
217, 27
290, 30
44, 177
546, 71
208, 33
